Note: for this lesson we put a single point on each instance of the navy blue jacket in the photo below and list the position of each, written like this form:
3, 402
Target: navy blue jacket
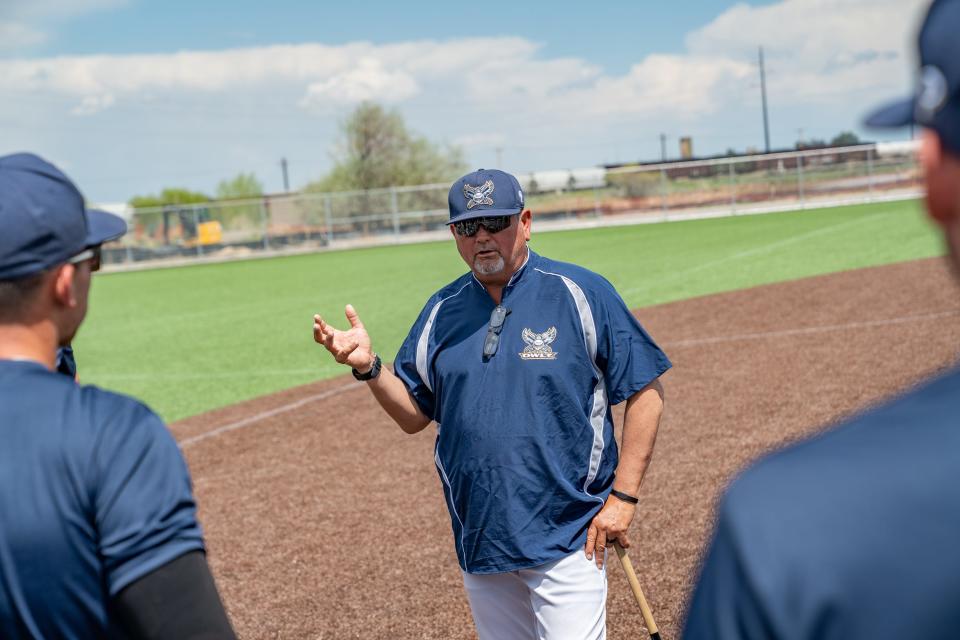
94, 495
525, 447
852, 534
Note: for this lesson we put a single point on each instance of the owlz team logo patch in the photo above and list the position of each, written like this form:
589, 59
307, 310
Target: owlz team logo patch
538, 344
477, 196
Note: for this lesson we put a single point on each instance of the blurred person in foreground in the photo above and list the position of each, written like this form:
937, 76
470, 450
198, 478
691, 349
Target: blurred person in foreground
519, 361
98, 529
854, 533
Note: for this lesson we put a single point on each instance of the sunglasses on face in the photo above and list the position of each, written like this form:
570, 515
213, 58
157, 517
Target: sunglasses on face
93, 254
493, 224
492, 341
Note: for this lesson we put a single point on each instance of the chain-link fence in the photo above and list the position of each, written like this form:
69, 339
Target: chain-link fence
720, 186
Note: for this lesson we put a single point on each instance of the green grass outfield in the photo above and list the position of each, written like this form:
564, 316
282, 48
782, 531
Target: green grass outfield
195, 338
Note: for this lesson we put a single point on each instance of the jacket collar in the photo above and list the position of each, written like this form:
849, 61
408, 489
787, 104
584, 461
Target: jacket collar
518, 275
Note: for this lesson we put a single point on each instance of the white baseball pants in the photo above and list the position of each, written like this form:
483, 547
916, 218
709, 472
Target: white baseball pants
562, 600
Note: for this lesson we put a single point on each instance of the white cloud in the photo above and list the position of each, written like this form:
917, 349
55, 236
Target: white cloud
815, 28
508, 64
368, 80
14, 35
93, 104
683, 86
818, 50
509, 70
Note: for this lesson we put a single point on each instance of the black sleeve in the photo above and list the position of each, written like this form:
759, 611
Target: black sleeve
177, 601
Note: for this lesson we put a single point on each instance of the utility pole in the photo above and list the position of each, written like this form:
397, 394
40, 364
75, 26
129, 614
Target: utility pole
763, 94
663, 147
286, 182
499, 151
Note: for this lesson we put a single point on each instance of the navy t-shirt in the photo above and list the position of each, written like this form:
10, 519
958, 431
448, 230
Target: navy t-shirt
853, 534
94, 494
525, 447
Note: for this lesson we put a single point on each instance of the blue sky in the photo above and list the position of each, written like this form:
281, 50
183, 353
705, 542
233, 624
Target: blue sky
131, 96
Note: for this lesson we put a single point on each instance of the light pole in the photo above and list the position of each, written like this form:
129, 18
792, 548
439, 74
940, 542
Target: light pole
763, 96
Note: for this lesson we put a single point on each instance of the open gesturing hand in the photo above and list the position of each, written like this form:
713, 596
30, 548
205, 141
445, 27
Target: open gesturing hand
350, 347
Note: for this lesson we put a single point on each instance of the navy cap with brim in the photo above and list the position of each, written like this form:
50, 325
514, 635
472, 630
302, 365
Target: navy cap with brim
103, 227
935, 104
900, 114
484, 213
484, 193
896, 114
44, 221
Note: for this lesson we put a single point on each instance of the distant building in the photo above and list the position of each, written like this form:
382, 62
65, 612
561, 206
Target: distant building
563, 179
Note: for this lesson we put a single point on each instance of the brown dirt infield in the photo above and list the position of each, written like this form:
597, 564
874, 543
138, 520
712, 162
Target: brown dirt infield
323, 520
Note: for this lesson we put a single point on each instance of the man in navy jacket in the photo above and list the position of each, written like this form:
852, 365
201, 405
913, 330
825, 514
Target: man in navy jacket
518, 362
98, 530
853, 534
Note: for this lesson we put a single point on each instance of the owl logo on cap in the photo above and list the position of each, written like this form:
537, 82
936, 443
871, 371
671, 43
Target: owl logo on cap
478, 196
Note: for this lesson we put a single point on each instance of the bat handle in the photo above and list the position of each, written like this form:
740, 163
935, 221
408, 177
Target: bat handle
637, 591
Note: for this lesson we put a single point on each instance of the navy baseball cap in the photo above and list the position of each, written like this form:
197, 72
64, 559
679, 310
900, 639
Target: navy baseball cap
936, 104
43, 219
485, 192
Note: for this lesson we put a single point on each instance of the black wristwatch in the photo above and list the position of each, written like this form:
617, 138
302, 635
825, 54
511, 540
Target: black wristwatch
625, 497
369, 375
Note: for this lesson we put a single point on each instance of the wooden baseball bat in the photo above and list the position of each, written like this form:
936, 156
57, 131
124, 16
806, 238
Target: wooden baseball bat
637, 591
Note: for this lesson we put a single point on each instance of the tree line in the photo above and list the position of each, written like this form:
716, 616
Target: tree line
374, 149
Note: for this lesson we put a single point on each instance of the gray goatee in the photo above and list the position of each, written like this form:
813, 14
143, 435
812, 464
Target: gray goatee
486, 268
